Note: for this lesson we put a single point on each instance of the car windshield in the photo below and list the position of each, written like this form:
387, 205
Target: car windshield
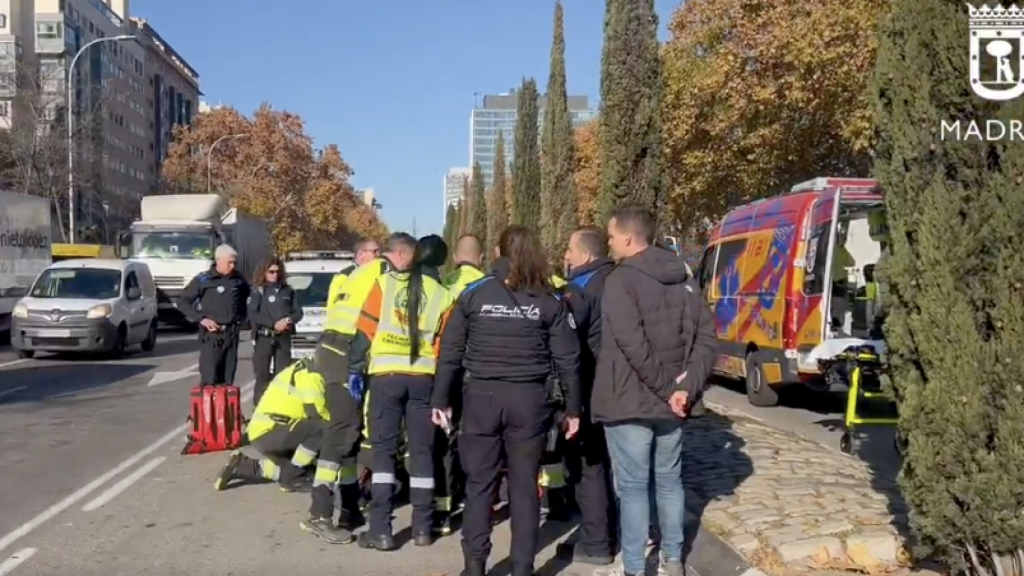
78, 283
311, 288
190, 245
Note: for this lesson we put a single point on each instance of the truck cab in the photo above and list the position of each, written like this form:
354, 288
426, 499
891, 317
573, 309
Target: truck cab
310, 274
177, 236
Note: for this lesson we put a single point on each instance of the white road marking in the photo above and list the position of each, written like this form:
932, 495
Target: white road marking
125, 483
12, 391
16, 559
79, 495
13, 362
84, 491
165, 377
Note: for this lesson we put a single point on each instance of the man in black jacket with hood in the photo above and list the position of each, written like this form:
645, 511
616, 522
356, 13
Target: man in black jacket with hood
587, 460
658, 349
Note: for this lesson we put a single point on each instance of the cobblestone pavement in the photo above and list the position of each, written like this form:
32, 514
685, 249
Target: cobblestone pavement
788, 503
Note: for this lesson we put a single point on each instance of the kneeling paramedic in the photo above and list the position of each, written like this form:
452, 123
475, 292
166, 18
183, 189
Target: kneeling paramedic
397, 329
286, 428
344, 394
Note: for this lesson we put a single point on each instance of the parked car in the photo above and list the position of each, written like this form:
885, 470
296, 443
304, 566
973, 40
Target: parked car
87, 305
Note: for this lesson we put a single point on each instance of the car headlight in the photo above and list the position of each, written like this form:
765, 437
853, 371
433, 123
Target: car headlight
20, 311
101, 311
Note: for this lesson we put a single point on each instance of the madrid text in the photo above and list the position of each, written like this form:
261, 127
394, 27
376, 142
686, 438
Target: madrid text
982, 131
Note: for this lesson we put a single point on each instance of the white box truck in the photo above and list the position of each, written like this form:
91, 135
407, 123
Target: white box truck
24, 248
176, 238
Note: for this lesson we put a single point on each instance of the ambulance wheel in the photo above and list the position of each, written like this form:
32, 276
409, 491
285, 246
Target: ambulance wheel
847, 444
759, 392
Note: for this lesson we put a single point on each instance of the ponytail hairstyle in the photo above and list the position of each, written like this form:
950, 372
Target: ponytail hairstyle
431, 251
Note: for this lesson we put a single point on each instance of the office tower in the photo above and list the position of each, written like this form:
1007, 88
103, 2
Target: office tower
454, 186
497, 114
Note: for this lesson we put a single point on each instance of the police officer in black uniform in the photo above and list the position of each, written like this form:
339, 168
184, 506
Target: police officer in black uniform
587, 456
520, 333
273, 313
216, 300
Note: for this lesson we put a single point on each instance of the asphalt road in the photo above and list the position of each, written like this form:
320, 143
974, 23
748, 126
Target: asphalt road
94, 485
93, 482
817, 417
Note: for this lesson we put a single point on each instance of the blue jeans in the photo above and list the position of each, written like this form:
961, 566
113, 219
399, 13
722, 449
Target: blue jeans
642, 452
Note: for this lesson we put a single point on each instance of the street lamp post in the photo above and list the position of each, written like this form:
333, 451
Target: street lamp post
71, 126
209, 159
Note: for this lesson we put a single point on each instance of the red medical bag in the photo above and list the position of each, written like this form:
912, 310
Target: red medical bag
215, 413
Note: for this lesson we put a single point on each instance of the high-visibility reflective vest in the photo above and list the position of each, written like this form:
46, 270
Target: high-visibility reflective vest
389, 352
297, 393
557, 281
463, 276
343, 313
337, 283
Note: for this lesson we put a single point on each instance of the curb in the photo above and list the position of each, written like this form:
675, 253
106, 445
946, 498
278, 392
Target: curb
709, 555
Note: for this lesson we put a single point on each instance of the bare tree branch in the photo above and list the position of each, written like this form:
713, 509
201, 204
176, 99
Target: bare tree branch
34, 149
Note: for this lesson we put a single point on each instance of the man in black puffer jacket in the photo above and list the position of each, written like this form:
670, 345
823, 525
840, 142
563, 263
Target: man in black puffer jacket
658, 347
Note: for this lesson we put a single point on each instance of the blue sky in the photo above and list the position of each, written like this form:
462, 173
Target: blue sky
392, 82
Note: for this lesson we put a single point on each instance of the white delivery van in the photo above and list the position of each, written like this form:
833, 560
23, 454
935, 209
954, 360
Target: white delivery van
310, 274
88, 305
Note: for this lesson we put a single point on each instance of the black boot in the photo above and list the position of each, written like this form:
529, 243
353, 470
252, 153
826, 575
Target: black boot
351, 519
238, 467
423, 539
383, 542
474, 567
351, 511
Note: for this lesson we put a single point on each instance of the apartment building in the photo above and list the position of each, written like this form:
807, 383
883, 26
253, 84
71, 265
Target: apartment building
17, 55
108, 104
172, 93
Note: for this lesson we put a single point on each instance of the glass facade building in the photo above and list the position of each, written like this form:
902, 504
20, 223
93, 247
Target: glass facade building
454, 186
497, 115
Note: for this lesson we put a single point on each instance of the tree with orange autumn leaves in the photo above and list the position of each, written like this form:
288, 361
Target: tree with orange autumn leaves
267, 166
755, 98
759, 96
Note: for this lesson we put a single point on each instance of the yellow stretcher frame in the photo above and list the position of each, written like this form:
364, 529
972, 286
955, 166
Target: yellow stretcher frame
856, 393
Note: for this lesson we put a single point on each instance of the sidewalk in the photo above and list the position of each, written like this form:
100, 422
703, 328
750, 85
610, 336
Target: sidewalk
787, 503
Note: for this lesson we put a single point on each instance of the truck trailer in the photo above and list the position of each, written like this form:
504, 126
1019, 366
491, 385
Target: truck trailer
24, 248
177, 236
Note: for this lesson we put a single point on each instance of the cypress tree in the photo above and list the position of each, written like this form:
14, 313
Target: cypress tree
630, 119
451, 225
497, 203
464, 206
558, 154
477, 219
526, 160
953, 274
